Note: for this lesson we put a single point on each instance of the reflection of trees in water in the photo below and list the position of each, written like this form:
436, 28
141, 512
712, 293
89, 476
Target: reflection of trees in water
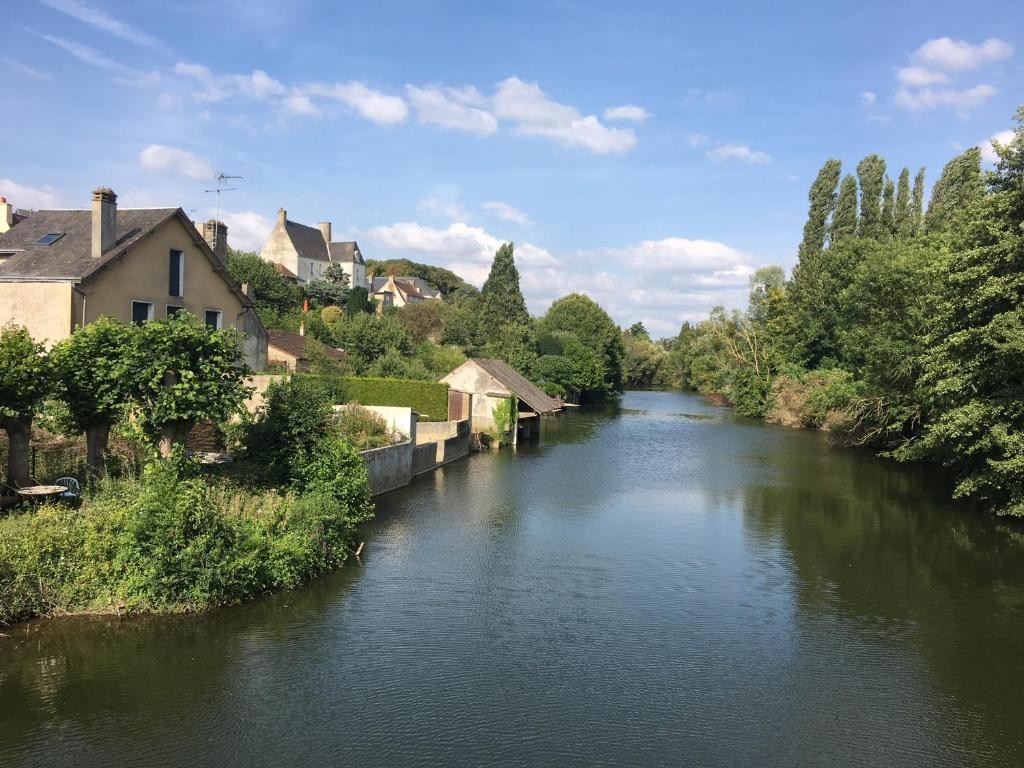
577, 425
880, 544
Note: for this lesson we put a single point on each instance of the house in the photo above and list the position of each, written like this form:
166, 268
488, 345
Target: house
306, 252
490, 382
62, 269
295, 352
394, 291
9, 215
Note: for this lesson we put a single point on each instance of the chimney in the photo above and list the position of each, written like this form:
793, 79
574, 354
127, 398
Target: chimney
325, 230
282, 216
215, 233
6, 215
104, 220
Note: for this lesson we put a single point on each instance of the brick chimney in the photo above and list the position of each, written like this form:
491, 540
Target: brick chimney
104, 221
282, 216
325, 230
6, 215
215, 233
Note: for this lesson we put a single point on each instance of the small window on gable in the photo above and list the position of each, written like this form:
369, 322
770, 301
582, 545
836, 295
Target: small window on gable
213, 319
173, 309
142, 311
49, 239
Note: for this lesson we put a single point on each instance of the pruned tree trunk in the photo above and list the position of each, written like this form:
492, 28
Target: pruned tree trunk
172, 432
96, 438
19, 435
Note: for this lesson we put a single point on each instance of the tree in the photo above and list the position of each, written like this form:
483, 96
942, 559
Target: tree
844, 221
358, 301
93, 374
273, 295
423, 320
642, 360
501, 301
888, 227
762, 282
822, 197
959, 186
446, 281
24, 384
903, 220
366, 337
917, 202
974, 370
579, 316
185, 371
330, 289
639, 331
871, 174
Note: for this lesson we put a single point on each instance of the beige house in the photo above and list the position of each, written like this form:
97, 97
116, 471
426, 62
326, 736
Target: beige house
490, 382
306, 252
294, 351
394, 291
62, 269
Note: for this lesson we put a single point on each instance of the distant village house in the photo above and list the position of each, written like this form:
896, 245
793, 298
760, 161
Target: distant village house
304, 253
394, 291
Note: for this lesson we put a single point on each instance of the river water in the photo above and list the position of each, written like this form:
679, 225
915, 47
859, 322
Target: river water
657, 583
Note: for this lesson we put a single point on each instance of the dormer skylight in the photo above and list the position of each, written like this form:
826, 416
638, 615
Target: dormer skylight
49, 239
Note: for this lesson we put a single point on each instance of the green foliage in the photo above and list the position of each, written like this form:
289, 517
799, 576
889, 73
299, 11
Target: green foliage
427, 398
335, 470
960, 186
331, 289
274, 296
871, 175
24, 373
844, 221
358, 301
903, 217
822, 198
446, 281
580, 317
642, 360
505, 414
366, 337
422, 321
501, 301
362, 428
515, 343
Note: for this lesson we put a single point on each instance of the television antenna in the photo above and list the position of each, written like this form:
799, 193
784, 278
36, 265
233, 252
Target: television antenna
222, 178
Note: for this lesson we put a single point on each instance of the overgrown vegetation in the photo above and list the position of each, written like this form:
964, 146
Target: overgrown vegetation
900, 330
428, 398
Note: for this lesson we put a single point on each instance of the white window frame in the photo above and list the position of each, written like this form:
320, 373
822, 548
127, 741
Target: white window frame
220, 318
181, 272
131, 309
176, 307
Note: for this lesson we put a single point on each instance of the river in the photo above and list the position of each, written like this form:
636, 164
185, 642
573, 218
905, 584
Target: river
658, 582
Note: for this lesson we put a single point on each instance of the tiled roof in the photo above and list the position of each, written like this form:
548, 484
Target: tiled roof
308, 241
517, 384
294, 344
283, 271
346, 252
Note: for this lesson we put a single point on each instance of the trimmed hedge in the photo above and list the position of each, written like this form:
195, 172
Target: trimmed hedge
428, 398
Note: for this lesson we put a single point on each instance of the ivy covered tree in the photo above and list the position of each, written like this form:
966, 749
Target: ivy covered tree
93, 375
25, 382
183, 372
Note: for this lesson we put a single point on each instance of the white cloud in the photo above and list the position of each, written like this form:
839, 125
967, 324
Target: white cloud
462, 109
247, 230
507, 212
629, 112
697, 139
445, 204
24, 196
158, 157
988, 152
959, 56
739, 152
535, 114
373, 105
100, 20
25, 69
920, 76
928, 98
98, 59
299, 104
868, 97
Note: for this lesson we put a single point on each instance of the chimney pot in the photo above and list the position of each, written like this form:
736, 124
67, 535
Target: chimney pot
215, 233
282, 216
104, 220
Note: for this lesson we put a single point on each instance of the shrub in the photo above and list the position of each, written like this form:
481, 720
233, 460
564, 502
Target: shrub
816, 400
427, 398
363, 428
335, 469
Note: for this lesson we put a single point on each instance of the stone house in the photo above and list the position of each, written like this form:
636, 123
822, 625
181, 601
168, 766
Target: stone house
394, 291
306, 252
62, 269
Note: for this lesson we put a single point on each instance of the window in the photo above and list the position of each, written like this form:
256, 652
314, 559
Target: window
173, 309
213, 318
176, 281
311, 269
49, 239
142, 311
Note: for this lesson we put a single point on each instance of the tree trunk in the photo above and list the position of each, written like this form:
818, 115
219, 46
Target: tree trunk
19, 435
96, 437
172, 432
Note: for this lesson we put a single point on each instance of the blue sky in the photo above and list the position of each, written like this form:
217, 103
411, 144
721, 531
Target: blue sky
649, 154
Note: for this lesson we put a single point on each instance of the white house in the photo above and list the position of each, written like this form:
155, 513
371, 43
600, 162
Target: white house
306, 252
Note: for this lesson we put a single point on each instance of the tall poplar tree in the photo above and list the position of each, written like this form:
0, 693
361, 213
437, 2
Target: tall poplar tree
871, 174
844, 221
501, 300
959, 185
822, 198
917, 202
904, 221
889, 209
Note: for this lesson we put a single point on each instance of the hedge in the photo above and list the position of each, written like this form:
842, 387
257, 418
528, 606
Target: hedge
428, 398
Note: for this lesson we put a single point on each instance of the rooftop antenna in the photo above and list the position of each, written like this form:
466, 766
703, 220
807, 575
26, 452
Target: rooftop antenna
221, 189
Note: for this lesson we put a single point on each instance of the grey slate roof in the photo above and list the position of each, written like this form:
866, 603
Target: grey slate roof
346, 252
71, 257
518, 384
308, 241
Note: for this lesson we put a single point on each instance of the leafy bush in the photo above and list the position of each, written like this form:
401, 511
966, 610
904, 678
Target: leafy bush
427, 398
817, 400
363, 428
335, 469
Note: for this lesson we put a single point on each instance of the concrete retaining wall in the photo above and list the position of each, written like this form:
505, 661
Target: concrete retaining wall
389, 467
